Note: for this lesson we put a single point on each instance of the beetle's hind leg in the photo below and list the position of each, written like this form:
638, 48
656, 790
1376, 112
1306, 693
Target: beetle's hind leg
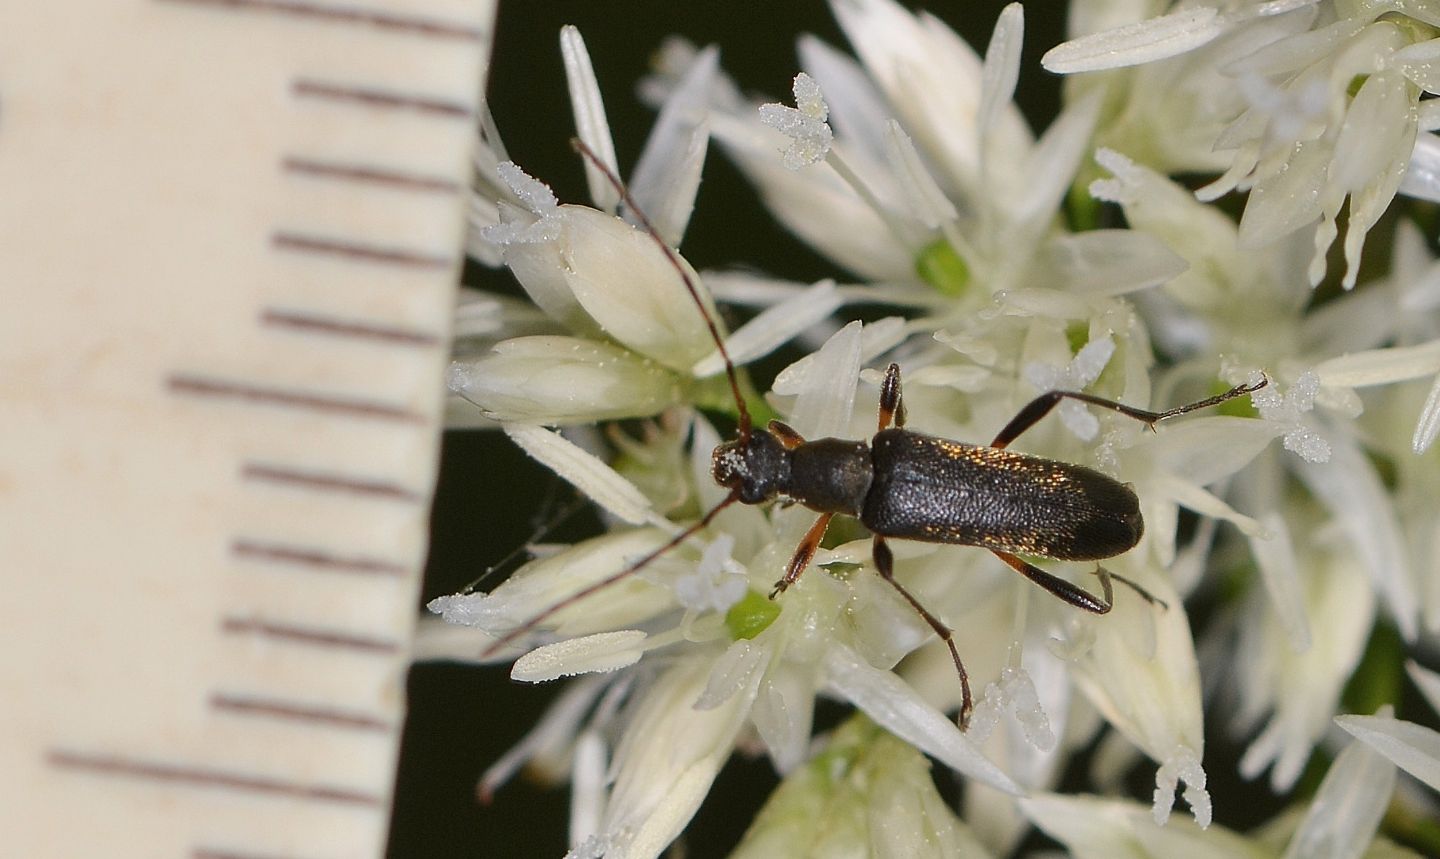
885, 564
1058, 587
1144, 594
1073, 594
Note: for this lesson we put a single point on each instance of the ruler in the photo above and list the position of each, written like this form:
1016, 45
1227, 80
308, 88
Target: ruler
230, 232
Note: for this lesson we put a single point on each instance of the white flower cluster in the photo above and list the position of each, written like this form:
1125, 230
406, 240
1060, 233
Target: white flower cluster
1004, 254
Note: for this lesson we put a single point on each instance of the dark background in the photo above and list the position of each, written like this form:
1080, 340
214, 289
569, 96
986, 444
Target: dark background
461, 718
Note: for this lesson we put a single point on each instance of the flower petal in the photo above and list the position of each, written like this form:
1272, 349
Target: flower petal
1347, 809
826, 393
1050, 166
550, 582
584, 471
1380, 366
926, 202
1350, 488
1422, 176
1141, 673
667, 760
631, 288
852, 233
1275, 556
773, 327
1140, 42
667, 176
1001, 69
590, 122
899, 709
599, 653
1413, 748
1112, 262
1428, 682
562, 380
1094, 828
1428, 427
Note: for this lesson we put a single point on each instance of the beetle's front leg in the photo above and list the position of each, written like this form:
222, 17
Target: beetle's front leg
809, 545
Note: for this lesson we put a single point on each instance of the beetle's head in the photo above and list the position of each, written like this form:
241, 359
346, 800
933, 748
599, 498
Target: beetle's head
758, 466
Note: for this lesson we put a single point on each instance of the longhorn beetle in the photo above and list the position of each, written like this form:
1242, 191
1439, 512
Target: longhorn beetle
905, 485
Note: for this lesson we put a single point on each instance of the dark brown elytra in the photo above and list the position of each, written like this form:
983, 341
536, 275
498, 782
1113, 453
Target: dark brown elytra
905, 485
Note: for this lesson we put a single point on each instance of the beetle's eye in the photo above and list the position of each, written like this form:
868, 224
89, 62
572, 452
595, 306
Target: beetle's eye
726, 465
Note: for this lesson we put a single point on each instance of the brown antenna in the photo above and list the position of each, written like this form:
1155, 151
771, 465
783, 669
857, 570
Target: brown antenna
589, 155
743, 428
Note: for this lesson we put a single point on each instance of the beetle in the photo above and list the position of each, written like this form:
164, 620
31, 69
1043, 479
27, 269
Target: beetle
907, 485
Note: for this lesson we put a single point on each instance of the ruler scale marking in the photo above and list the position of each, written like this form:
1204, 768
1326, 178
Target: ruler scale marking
316, 558
368, 175
318, 324
230, 853
376, 18
370, 97
235, 703
301, 78
309, 635
359, 251
329, 482
200, 776
206, 386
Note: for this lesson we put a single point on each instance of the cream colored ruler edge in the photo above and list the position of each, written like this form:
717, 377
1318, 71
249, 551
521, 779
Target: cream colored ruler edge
230, 232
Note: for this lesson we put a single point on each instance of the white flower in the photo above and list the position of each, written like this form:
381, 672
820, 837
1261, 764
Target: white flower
1347, 809
755, 662
1081, 371
668, 756
1301, 140
1297, 682
1138, 667
864, 794
1095, 828
638, 341
931, 174
561, 380
1286, 409
918, 175
1414, 748
717, 583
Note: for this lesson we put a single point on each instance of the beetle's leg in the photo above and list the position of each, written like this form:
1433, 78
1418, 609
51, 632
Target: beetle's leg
1074, 595
803, 553
885, 563
1064, 590
786, 434
1144, 594
892, 404
1041, 406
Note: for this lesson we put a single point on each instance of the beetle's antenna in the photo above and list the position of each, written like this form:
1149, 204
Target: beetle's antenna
573, 506
609, 580
730, 373
690, 286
